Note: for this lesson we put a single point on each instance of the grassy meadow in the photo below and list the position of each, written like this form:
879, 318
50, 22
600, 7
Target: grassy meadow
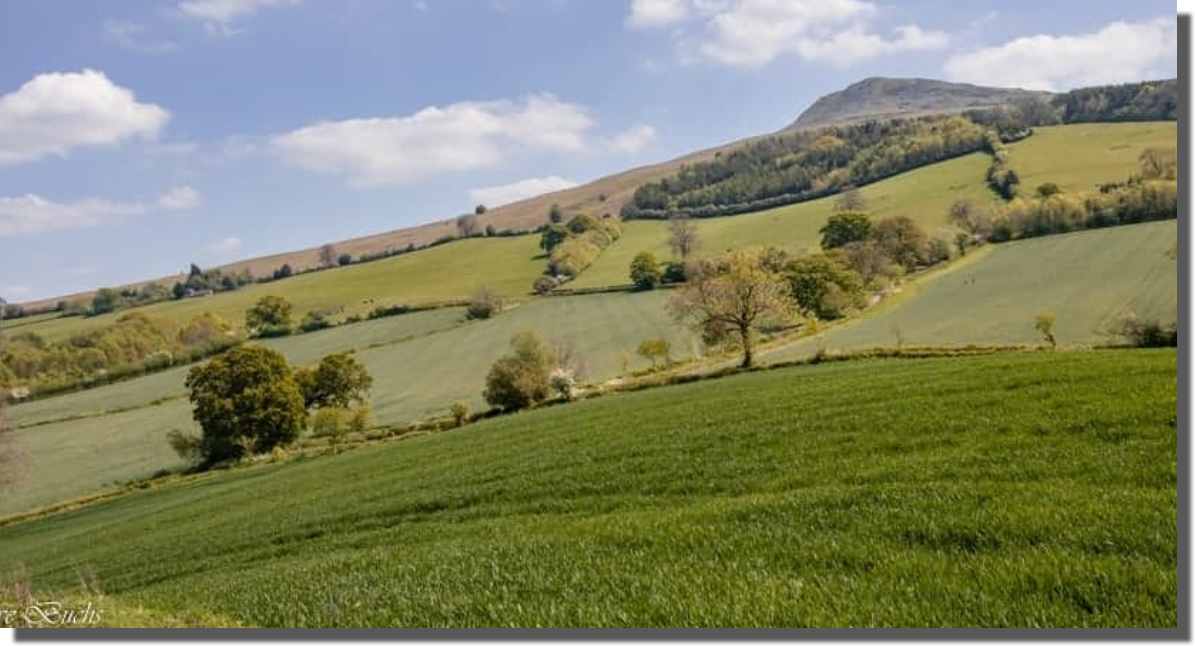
1087, 279
1080, 157
447, 272
1034, 489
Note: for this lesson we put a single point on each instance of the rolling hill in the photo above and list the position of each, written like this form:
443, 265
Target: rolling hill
1105, 152
874, 98
1006, 490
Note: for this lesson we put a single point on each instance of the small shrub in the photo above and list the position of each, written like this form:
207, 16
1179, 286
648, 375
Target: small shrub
483, 305
460, 413
544, 284
1044, 323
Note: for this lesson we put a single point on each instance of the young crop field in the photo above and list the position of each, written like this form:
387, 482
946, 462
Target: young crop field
1034, 489
421, 364
1086, 279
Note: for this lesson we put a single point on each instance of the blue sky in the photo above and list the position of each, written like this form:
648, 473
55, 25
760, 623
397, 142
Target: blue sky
137, 137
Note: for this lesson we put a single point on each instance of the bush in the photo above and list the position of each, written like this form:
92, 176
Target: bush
270, 316
544, 284
330, 423
521, 378
1145, 333
460, 413
344, 259
483, 305
645, 271
315, 320
655, 350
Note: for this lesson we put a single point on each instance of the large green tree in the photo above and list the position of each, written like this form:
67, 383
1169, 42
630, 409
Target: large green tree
522, 377
337, 381
245, 400
824, 286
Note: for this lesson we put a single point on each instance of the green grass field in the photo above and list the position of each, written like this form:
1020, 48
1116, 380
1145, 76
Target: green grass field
1006, 490
453, 271
1082, 156
1086, 279
1077, 157
414, 379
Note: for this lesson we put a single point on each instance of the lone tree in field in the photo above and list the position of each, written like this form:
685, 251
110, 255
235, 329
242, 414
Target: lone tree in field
271, 314
246, 401
645, 271
337, 381
655, 350
732, 295
849, 199
682, 236
483, 305
523, 377
1044, 323
327, 255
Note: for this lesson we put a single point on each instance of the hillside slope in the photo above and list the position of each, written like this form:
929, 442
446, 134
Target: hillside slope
1087, 279
1077, 157
877, 98
1007, 490
421, 364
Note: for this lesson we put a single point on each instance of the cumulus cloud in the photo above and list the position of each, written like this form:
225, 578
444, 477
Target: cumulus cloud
225, 245
30, 214
54, 113
753, 33
633, 140
218, 16
434, 140
506, 193
1120, 52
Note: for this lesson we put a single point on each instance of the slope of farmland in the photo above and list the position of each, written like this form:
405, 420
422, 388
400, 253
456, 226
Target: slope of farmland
413, 379
1005, 490
1086, 279
1077, 157
452, 271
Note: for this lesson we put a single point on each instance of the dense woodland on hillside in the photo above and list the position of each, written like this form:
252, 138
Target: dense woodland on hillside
803, 165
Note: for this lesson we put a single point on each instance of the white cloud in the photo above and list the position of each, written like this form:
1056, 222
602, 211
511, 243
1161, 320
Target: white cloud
179, 198
225, 245
492, 196
633, 140
1117, 53
218, 16
647, 14
457, 137
32, 214
753, 33
54, 113
131, 36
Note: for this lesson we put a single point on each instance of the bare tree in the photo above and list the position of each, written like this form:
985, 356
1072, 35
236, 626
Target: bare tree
849, 199
733, 295
327, 255
682, 236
